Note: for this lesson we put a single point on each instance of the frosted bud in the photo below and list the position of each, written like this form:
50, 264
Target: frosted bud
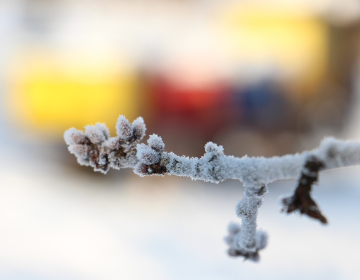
139, 128
123, 128
73, 136
156, 143
95, 135
113, 143
79, 150
103, 128
147, 155
211, 147
141, 169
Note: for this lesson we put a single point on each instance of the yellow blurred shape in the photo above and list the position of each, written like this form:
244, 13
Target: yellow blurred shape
287, 37
50, 93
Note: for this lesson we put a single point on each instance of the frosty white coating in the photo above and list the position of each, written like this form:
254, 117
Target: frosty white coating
96, 148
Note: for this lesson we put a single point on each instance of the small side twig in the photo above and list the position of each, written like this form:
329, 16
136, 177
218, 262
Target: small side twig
301, 201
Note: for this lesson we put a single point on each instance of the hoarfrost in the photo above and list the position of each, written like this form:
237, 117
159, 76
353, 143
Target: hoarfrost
139, 128
95, 133
233, 240
97, 149
156, 143
147, 155
73, 136
123, 128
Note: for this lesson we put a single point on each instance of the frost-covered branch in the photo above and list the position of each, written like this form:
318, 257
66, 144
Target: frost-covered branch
97, 149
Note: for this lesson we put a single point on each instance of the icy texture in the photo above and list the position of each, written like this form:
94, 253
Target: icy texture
74, 136
234, 238
156, 143
215, 167
147, 155
207, 168
97, 134
123, 128
95, 148
247, 210
139, 128
255, 173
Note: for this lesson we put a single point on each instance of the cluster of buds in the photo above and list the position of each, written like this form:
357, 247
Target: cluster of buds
97, 149
150, 157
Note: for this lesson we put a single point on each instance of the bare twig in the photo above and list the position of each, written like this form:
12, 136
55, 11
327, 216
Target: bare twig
301, 200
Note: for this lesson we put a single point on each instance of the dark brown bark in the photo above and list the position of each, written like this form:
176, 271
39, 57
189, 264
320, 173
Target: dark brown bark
301, 201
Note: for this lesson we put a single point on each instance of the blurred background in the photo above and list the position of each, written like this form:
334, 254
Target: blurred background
261, 78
